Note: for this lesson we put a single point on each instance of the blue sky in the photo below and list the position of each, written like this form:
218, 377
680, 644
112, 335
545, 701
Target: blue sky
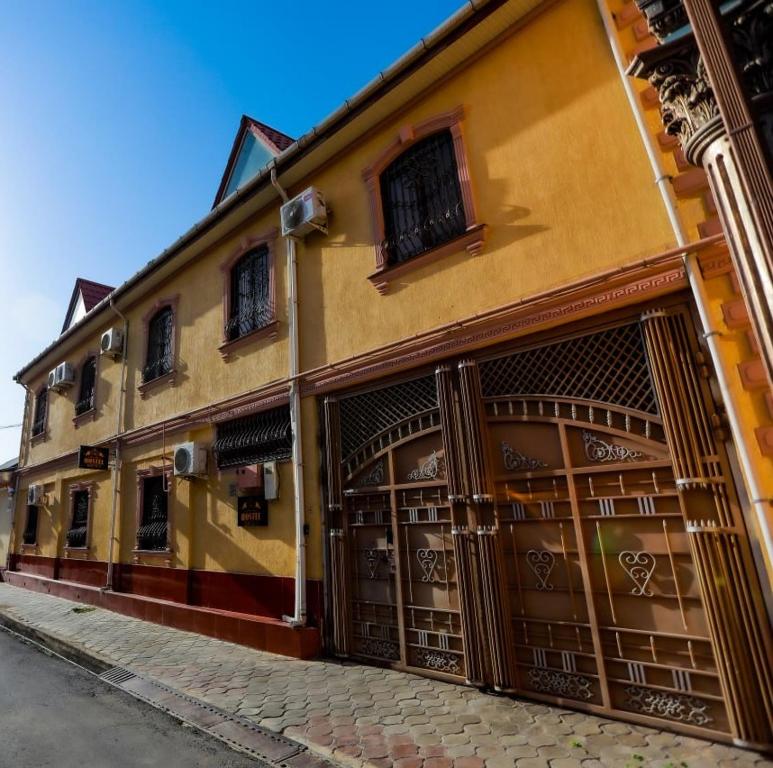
116, 119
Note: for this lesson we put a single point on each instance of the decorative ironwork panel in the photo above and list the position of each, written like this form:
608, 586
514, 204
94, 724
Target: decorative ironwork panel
41, 409
152, 533
606, 367
367, 415
265, 436
87, 387
159, 359
251, 306
30, 535
76, 536
422, 198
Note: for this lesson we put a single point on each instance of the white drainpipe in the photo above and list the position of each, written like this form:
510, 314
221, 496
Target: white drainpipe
117, 464
299, 617
710, 334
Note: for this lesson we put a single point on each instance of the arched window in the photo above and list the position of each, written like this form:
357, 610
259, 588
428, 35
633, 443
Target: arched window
422, 198
87, 387
160, 353
41, 410
251, 306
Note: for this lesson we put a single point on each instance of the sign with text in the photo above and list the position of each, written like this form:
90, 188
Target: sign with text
90, 457
251, 510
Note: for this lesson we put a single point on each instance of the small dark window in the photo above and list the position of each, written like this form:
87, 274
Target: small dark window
152, 531
159, 361
422, 198
41, 408
250, 301
76, 536
88, 387
30, 535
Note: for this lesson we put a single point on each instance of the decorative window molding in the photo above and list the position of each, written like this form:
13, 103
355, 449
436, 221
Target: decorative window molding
269, 328
39, 428
470, 240
73, 491
88, 413
166, 554
170, 371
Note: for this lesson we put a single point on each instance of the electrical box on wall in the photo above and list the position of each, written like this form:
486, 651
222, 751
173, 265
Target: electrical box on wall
250, 478
270, 480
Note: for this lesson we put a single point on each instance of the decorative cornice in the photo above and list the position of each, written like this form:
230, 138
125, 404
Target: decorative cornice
635, 285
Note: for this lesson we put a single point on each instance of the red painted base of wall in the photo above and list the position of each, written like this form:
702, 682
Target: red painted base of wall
240, 607
260, 632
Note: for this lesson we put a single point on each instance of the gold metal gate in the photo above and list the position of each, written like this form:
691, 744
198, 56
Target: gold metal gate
557, 522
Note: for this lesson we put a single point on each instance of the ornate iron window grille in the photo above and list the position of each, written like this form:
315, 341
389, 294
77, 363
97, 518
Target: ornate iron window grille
261, 437
159, 357
30, 535
422, 199
251, 306
88, 386
41, 407
152, 533
76, 536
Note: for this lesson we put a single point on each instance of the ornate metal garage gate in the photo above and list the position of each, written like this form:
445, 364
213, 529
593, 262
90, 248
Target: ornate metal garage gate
556, 522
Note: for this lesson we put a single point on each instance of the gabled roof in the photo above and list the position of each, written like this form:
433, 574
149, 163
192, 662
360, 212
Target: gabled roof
91, 292
9, 466
274, 141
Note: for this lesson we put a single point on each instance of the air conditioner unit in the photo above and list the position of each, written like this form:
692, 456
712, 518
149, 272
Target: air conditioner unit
304, 213
35, 495
112, 343
190, 460
62, 377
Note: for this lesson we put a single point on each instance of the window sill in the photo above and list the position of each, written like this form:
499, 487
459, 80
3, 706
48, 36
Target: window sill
147, 386
471, 241
82, 418
40, 437
163, 555
270, 331
30, 547
81, 553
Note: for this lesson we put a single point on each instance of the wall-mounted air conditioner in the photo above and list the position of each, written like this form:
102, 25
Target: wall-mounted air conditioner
304, 213
112, 343
190, 460
35, 495
62, 377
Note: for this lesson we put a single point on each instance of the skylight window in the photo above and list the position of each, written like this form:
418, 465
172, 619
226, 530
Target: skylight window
253, 156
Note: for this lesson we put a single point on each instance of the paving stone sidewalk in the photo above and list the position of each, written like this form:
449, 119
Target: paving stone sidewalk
363, 716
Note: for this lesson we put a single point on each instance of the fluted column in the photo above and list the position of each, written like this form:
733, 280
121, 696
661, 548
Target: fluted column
339, 578
737, 622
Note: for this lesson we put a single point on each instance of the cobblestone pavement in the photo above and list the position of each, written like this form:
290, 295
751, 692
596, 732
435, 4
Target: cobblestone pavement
364, 716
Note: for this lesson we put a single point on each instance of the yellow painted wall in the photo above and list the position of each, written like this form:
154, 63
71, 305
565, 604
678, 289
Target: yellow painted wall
561, 182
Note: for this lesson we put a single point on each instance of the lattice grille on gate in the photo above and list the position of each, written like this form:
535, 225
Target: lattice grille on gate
367, 415
607, 367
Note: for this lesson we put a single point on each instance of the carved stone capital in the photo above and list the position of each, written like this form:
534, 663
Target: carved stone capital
687, 101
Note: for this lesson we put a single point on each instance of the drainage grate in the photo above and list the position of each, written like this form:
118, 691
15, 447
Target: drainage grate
117, 675
234, 730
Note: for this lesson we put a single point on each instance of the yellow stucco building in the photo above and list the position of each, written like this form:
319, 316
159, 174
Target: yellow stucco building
484, 401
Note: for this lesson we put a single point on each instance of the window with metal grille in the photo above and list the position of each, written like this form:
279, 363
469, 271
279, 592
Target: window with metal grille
422, 198
253, 439
250, 300
152, 533
159, 358
76, 536
41, 408
30, 535
88, 387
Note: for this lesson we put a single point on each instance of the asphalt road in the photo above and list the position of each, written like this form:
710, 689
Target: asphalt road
55, 714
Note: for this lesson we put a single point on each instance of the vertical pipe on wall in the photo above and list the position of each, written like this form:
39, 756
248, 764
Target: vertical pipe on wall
299, 616
711, 335
117, 461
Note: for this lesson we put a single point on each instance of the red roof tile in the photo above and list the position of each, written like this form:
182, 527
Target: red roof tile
93, 292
